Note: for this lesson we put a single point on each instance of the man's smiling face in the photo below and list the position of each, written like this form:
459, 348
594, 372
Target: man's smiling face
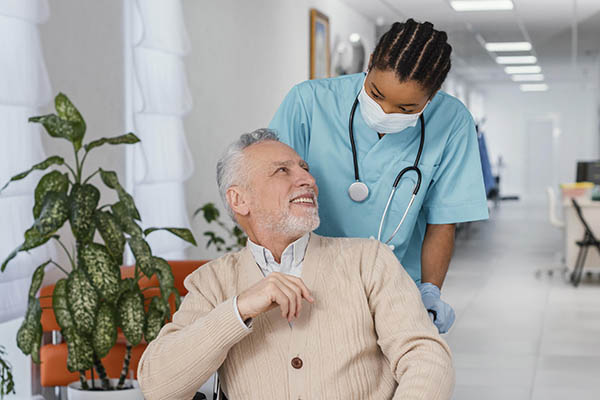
282, 194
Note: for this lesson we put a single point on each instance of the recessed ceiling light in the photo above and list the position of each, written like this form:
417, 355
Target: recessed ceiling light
527, 69
508, 46
482, 5
534, 87
516, 60
528, 78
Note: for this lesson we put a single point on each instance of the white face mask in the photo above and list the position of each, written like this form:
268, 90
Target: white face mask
379, 121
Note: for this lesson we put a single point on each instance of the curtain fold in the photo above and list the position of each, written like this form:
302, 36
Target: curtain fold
24, 89
162, 162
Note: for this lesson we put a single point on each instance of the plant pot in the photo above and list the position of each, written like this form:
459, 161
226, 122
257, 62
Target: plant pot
74, 391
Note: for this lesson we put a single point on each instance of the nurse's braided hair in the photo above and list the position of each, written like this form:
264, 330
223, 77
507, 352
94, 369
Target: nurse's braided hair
414, 51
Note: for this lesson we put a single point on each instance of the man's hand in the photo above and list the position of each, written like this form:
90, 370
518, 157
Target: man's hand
277, 289
442, 311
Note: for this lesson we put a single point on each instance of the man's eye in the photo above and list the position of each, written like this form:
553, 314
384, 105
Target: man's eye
375, 95
282, 169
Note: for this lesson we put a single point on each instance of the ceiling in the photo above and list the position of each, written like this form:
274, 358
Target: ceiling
546, 23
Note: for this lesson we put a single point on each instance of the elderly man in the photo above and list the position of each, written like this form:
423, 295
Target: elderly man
295, 315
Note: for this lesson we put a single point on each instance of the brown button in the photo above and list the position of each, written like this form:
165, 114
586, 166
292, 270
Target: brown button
297, 362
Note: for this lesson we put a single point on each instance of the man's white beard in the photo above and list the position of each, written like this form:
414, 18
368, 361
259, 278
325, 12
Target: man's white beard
289, 225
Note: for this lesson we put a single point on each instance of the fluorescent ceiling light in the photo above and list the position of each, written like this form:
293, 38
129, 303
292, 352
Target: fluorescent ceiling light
516, 60
528, 78
507, 46
482, 5
527, 69
534, 87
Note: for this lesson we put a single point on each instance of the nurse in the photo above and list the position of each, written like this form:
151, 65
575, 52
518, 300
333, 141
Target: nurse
362, 130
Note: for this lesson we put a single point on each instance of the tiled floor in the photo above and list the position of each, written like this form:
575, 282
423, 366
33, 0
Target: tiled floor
521, 334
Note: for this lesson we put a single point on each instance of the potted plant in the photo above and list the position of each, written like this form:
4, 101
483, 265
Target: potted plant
211, 214
92, 301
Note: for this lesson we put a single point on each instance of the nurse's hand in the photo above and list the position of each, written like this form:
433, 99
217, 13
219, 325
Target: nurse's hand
277, 289
443, 314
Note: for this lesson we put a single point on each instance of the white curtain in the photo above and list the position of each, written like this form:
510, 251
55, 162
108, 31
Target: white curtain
24, 90
160, 99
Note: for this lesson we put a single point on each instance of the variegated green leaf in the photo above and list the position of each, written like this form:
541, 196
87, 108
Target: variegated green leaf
102, 270
54, 181
131, 316
57, 127
126, 199
110, 179
66, 110
55, 211
54, 160
182, 233
105, 333
84, 200
155, 318
126, 285
111, 233
30, 329
124, 220
165, 276
26, 336
37, 343
82, 300
61, 306
142, 253
12, 255
36, 279
129, 138
34, 239
81, 352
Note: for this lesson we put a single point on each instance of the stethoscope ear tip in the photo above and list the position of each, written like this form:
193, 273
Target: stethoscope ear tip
391, 246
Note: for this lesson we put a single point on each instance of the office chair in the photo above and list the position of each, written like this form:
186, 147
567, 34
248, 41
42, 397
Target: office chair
588, 240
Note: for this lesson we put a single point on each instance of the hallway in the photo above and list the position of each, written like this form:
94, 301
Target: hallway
520, 335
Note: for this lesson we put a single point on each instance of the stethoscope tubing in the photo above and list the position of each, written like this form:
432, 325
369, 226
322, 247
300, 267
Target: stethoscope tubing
413, 167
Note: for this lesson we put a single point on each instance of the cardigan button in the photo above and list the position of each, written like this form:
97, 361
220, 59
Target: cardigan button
297, 362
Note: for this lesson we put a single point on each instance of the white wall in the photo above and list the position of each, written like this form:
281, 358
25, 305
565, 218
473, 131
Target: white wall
245, 57
508, 111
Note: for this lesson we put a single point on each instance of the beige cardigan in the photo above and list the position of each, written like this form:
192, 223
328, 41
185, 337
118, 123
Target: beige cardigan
367, 335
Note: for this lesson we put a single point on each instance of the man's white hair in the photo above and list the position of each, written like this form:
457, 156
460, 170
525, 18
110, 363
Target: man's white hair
230, 169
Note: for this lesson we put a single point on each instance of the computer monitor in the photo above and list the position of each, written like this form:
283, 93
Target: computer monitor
588, 171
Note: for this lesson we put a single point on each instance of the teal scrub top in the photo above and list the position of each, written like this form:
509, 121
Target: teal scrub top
313, 119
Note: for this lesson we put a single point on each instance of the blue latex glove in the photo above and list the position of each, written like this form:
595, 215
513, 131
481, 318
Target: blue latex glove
443, 314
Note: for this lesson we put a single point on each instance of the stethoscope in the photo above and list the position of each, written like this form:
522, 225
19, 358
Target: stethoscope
359, 191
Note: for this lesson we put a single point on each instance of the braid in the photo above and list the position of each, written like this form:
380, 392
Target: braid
414, 51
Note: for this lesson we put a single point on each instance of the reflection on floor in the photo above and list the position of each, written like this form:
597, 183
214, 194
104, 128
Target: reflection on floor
520, 333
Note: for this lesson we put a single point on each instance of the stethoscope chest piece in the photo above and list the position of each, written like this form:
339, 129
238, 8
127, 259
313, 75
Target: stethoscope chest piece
358, 191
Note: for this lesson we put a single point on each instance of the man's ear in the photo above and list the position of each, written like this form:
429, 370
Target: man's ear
236, 197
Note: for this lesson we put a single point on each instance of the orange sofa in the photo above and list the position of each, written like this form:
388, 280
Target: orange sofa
53, 357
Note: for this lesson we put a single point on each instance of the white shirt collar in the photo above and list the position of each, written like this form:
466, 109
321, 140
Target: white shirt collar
291, 258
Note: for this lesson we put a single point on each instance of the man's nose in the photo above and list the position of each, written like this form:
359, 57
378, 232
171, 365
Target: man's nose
305, 178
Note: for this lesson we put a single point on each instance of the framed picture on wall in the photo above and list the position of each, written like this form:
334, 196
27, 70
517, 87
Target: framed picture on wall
319, 45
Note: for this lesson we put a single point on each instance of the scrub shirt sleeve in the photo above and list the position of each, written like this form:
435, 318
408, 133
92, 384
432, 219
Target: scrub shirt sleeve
457, 193
292, 122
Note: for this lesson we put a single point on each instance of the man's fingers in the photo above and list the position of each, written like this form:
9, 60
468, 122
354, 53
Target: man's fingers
282, 300
295, 289
300, 283
290, 299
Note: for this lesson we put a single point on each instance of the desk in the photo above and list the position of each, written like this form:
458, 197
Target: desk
574, 231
